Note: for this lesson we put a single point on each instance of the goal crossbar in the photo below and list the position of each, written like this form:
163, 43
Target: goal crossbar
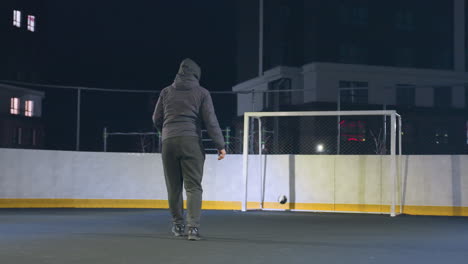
322, 113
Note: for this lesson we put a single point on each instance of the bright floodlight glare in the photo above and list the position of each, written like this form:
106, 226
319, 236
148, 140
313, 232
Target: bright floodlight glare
319, 148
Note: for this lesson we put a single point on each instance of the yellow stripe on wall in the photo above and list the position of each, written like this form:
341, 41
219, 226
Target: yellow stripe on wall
82, 203
223, 205
436, 210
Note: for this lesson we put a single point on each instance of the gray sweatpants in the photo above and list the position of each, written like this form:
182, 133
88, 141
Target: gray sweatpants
183, 161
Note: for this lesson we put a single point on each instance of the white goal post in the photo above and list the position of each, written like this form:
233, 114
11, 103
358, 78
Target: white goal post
394, 150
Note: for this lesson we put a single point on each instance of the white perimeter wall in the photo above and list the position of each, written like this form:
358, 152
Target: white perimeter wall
426, 180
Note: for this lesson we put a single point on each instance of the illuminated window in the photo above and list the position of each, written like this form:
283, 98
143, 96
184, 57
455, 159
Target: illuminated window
14, 106
31, 23
29, 108
16, 18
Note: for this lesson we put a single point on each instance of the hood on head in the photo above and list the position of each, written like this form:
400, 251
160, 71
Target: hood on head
189, 70
188, 76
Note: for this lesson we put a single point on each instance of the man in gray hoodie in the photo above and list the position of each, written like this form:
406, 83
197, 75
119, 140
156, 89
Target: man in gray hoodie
179, 112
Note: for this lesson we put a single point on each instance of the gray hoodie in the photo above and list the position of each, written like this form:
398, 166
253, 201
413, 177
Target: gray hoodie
182, 107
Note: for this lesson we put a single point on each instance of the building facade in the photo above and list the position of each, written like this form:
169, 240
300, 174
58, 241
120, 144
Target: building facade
21, 125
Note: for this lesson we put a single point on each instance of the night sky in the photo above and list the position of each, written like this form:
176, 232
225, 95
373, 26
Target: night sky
139, 44
128, 45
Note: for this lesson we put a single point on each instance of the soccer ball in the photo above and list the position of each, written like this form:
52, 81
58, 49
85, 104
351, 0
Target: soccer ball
282, 199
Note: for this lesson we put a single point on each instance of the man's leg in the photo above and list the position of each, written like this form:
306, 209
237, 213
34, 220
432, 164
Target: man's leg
174, 180
192, 161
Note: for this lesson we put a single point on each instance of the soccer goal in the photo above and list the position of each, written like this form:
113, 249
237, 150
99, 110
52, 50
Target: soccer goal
323, 161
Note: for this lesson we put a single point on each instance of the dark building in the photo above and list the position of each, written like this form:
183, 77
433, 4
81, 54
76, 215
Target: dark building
22, 59
414, 34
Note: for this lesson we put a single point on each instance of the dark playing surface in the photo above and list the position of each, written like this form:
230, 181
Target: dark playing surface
103, 236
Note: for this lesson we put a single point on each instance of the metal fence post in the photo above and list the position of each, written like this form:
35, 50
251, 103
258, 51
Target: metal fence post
338, 136
78, 117
241, 142
228, 137
105, 139
251, 130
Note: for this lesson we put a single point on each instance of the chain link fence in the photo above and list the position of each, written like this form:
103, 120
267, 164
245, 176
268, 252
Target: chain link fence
73, 118
151, 142
321, 135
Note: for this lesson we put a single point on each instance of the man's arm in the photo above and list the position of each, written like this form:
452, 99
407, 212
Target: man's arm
158, 115
211, 122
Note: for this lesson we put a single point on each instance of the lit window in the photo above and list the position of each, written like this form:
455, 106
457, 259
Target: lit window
16, 18
14, 106
31, 23
29, 108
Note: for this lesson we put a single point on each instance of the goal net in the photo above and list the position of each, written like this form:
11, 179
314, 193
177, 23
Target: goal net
326, 161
